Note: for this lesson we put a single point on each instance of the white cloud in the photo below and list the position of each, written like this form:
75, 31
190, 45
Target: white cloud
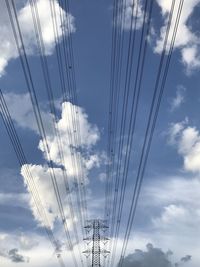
72, 142
179, 98
19, 242
129, 10
175, 129
92, 161
173, 215
21, 111
13, 255
26, 242
173, 190
34, 247
22, 114
191, 57
186, 40
42, 180
8, 49
44, 9
171, 207
73, 148
172, 211
176, 199
187, 141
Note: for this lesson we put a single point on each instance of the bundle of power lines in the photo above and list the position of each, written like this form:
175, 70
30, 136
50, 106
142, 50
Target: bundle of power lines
65, 63
128, 58
125, 92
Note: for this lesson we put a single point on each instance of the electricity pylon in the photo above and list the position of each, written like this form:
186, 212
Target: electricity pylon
97, 227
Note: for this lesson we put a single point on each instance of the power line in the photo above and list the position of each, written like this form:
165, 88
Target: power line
28, 77
133, 115
45, 69
71, 79
152, 121
128, 72
8, 123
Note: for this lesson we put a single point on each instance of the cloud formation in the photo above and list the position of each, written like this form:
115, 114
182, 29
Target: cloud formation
74, 150
129, 12
172, 205
22, 114
14, 256
179, 99
153, 257
187, 40
10, 245
76, 145
187, 140
8, 49
31, 249
21, 111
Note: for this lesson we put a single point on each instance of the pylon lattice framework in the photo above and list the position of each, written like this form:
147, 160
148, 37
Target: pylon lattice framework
96, 251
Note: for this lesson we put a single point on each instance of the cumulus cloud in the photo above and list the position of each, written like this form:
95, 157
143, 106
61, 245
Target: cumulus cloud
174, 216
171, 208
8, 49
129, 11
11, 244
20, 108
35, 249
174, 213
22, 114
72, 142
14, 256
176, 202
75, 149
152, 257
179, 99
77, 146
187, 140
29, 249
42, 180
186, 40
174, 192
20, 240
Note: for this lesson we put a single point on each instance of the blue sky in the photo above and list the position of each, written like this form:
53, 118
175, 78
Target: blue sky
168, 211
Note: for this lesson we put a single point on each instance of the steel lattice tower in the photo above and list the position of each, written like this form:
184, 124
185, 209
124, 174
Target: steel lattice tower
96, 244
96, 251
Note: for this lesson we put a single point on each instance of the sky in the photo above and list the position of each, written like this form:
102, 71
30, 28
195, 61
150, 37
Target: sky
165, 228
